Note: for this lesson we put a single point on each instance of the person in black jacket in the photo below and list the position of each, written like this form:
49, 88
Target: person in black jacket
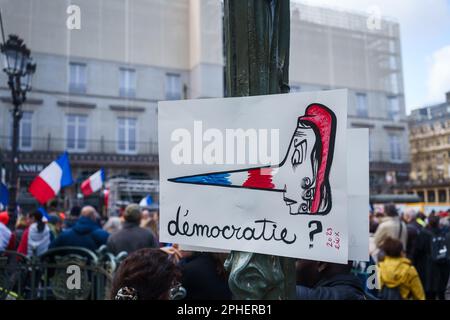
131, 237
204, 277
318, 280
413, 228
86, 232
433, 274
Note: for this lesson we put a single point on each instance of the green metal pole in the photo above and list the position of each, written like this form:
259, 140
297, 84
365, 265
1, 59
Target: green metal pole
257, 62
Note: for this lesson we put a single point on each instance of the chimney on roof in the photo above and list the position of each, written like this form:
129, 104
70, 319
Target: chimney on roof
448, 96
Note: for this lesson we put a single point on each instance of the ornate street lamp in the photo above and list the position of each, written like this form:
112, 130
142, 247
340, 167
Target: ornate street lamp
19, 67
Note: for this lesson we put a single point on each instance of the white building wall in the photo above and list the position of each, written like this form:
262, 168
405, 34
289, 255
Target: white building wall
335, 49
153, 37
329, 49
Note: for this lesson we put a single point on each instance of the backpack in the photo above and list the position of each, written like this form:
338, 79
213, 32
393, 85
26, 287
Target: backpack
390, 293
438, 249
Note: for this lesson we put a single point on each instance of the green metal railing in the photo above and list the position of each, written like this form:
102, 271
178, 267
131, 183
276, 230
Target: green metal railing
67, 273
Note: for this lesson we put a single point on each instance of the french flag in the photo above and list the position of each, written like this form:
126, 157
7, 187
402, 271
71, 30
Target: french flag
93, 183
4, 196
55, 176
146, 201
44, 214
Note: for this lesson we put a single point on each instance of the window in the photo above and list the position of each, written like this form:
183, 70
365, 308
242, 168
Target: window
393, 83
395, 147
421, 195
126, 140
393, 108
361, 105
431, 196
392, 46
442, 195
393, 62
76, 132
25, 131
173, 86
127, 82
77, 77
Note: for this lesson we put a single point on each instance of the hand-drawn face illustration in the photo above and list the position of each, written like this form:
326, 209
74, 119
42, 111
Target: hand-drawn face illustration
299, 163
308, 159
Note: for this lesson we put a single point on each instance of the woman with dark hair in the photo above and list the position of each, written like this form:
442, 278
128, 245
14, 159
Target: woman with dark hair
398, 278
146, 274
37, 237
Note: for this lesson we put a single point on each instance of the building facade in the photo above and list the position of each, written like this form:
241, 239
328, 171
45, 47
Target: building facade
333, 49
429, 137
96, 88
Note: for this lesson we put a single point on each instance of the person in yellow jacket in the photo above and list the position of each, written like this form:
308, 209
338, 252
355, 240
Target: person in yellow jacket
396, 271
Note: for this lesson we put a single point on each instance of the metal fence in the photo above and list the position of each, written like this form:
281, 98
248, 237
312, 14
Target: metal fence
67, 273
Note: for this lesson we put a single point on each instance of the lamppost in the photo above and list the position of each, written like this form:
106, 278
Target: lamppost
19, 67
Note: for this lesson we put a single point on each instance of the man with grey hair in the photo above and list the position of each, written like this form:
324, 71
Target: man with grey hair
90, 212
86, 233
131, 237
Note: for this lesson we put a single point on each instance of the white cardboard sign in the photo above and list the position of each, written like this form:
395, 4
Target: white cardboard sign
358, 197
223, 192
358, 193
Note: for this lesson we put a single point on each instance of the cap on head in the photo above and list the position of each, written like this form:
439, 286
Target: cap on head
132, 213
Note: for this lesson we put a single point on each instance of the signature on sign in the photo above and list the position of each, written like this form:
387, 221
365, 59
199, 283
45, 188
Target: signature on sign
333, 239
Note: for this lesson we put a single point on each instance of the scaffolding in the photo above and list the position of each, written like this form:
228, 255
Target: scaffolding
123, 191
380, 44
343, 19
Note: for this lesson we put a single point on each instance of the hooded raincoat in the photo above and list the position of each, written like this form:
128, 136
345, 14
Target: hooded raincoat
399, 272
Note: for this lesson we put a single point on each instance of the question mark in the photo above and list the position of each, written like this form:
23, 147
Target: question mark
317, 230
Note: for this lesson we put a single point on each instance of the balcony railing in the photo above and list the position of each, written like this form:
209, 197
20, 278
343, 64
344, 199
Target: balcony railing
103, 146
99, 146
431, 148
383, 156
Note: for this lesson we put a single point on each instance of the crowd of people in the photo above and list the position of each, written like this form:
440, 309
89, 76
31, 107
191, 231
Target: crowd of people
152, 270
409, 250
412, 253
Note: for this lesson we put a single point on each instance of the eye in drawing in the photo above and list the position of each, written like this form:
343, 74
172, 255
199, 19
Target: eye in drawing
299, 154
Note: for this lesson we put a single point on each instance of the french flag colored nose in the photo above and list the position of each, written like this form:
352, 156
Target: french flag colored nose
257, 178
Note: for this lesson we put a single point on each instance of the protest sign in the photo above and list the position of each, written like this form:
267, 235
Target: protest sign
358, 193
222, 188
358, 197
